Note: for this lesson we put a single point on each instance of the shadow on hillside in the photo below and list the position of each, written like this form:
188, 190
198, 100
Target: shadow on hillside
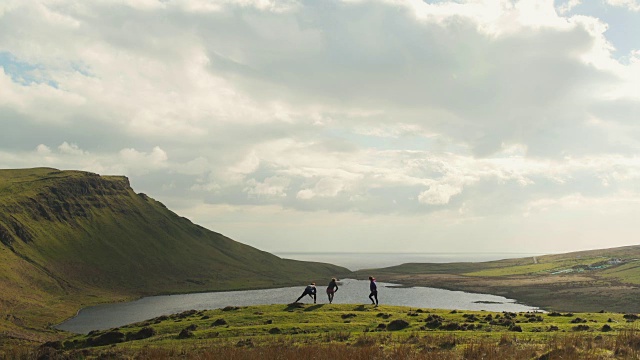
314, 307
295, 305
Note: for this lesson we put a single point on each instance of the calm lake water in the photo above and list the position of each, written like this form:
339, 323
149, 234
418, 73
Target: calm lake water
351, 291
358, 261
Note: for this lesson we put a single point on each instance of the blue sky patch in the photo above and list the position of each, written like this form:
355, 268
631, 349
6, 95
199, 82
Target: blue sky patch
23, 72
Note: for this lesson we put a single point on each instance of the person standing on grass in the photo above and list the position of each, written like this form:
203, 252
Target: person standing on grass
331, 289
374, 290
309, 290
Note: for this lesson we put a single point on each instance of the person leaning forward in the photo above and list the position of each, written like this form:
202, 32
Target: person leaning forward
309, 290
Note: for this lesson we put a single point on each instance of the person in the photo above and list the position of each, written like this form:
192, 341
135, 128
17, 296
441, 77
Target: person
331, 289
309, 290
374, 290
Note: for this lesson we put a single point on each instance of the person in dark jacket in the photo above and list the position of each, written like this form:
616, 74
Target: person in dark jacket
309, 290
374, 290
331, 289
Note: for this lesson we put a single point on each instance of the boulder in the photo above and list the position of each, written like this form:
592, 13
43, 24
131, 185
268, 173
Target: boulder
397, 325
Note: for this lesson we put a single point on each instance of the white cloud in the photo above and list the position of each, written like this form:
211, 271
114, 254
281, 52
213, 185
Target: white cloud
325, 187
568, 6
71, 149
43, 149
137, 161
449, 111
632, 5
272, 186
439, 194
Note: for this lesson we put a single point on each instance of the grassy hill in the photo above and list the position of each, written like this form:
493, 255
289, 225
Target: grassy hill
351, 331
579, 281
72, 238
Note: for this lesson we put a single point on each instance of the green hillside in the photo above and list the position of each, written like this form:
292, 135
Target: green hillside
72, 238
579, 281
351, 331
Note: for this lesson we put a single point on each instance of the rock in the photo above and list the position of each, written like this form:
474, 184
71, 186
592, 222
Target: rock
108, 338
434, 324
397, 325
145, 332
606, 328
185, 314
515, 328
275, 330
219, 322
185, 334
452, 326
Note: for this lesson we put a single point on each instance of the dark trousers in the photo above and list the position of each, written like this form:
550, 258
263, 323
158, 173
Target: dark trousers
374, 295
313, 295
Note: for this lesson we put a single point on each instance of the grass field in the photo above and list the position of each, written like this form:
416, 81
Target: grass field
582, 281
356, 332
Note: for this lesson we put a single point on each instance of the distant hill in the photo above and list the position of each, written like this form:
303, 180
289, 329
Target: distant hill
592, 280
72, 238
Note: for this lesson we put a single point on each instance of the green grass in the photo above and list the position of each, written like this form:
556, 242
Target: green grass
627, 273
539, 268
249, 331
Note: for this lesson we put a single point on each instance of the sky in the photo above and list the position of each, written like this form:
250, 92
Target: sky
342, 125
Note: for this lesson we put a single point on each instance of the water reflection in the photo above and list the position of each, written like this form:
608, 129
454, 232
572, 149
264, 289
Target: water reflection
351, 291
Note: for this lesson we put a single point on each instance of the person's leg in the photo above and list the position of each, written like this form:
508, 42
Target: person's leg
314, 297
371, 298
375, 295
301, 296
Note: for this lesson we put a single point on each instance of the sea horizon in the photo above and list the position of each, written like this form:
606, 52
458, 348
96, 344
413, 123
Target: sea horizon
372, 260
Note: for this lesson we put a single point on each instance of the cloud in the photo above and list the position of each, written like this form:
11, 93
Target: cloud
43, 149
272, 186
447, 110
70, 149
632, 5
439, 194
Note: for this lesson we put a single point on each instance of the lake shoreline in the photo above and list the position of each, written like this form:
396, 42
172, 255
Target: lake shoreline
351, 291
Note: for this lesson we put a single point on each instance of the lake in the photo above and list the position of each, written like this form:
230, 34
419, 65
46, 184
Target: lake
351, 291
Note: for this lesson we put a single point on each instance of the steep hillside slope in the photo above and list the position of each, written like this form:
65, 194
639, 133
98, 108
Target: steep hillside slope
70, 238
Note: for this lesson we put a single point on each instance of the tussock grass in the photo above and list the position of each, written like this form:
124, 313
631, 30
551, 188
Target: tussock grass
312, 332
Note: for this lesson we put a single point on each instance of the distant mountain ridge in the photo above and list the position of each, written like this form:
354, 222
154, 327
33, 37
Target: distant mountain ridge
70, 238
